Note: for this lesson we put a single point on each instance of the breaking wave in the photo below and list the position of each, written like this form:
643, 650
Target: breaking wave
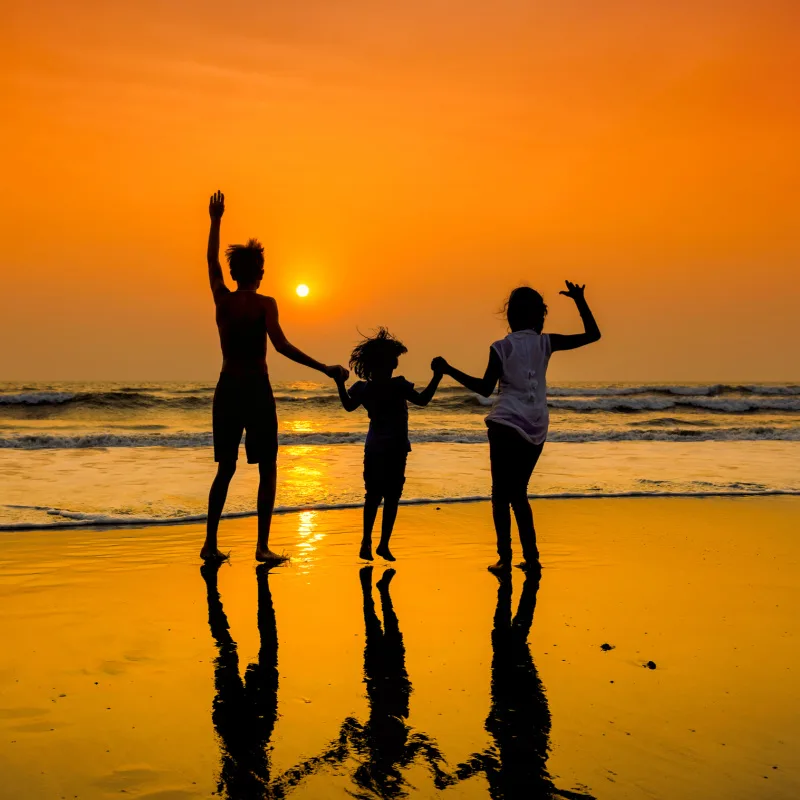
656, 433
720, 398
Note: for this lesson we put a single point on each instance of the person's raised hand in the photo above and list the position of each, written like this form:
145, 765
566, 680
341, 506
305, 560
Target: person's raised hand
338, 373
439, 365
574, 291
216, 205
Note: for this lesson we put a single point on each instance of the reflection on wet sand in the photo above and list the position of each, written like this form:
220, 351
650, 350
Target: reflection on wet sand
384, 746
244, 710
515, 764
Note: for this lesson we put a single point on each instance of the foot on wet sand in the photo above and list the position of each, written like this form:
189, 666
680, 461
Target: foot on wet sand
267, 556
384, 552
531, 566
213, 554
500, 566
366, 551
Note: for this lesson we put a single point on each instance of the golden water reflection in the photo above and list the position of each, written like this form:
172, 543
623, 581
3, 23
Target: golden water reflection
300, 426
304, 477
308, 538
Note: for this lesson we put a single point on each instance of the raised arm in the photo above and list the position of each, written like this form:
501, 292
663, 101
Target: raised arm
426, 395
591, 333
348, 403
216, 208
286, 348
483, 386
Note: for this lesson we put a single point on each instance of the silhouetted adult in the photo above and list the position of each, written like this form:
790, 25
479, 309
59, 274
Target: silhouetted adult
243, 400
244, 710
515, 765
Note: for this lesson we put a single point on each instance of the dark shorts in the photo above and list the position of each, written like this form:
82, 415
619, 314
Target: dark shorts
513, 460
385, 473
245, 404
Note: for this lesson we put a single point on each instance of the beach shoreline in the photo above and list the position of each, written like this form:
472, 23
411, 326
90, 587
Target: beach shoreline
107, 680
134, 523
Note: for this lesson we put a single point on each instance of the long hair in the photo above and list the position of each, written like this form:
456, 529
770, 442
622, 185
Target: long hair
525, 309
376, 352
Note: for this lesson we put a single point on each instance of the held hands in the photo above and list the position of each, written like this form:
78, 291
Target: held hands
216, 205
439, 366
574, 291
338, 373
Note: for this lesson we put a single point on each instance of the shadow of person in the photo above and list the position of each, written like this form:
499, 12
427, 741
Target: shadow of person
244, 711
385, 745
515, 765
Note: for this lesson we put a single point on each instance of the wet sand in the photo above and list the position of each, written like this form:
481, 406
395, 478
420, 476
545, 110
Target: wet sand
125, 672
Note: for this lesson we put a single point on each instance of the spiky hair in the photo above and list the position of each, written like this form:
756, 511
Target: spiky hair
246, 261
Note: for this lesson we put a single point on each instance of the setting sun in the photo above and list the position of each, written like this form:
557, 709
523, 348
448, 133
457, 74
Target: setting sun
302, 290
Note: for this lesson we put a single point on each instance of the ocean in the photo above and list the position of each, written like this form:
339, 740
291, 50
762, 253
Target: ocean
80, 454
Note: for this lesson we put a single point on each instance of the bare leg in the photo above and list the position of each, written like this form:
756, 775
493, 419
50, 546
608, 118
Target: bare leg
371, 504
216, 502
527, 533
387, 526
501, 462
268, 473
501, 514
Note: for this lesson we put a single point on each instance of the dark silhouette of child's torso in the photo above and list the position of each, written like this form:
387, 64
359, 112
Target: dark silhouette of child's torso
242, 324
386, 402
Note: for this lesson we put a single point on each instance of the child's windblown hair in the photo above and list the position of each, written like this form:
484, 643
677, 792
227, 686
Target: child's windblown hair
376, 353
246, 261
525, 309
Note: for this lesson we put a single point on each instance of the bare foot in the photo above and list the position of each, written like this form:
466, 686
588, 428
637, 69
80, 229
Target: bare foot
366, 551
531, 567
209, 553
384, 552
386, 579
267, 556
500, 566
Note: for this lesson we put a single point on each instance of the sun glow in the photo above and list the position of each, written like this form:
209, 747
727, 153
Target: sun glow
302, 290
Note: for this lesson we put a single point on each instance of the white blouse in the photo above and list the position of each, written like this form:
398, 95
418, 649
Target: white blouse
522, 400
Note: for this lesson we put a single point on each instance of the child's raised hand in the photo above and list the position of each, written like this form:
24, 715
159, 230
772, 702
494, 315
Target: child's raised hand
574, 291
439, 365
216, 205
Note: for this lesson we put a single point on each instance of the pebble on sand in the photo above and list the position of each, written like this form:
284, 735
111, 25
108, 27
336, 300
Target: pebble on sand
650, 665
606, 646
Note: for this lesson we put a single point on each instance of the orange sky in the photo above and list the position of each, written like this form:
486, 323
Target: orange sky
411, 162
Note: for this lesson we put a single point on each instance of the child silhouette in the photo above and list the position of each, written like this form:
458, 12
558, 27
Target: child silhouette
518, 422
385, 397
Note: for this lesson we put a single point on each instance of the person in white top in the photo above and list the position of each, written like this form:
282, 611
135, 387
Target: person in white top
517, 424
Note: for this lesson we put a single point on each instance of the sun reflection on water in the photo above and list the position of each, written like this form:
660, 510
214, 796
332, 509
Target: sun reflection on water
308, 538
300, 426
